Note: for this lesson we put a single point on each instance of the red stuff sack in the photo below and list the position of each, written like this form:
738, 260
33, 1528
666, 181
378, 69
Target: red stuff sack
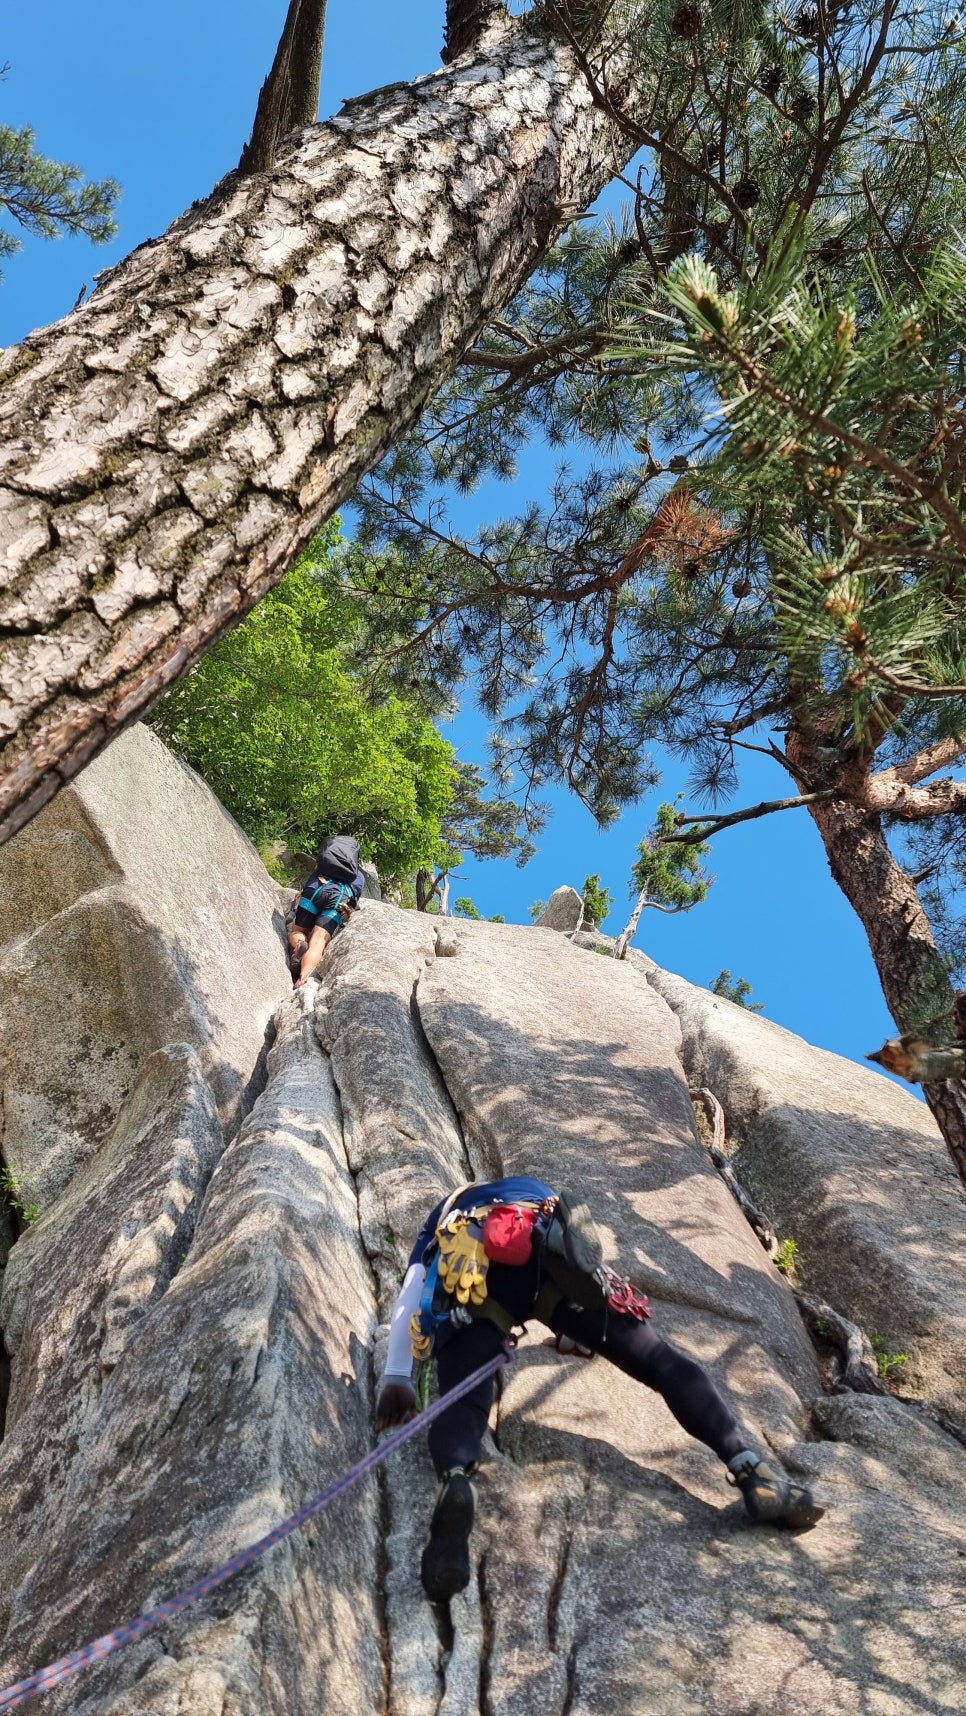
508, 1234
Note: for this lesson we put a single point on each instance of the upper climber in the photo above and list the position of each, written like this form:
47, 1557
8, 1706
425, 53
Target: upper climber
330, 895
487, 1259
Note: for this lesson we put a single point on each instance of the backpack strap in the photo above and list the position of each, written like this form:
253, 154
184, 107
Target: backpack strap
493, 1313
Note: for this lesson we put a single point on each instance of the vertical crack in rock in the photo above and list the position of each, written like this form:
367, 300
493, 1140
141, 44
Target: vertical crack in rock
470, 1169
486, 1641
403, 1149
382, 1605
560, 1573
9, 1232
571, 1691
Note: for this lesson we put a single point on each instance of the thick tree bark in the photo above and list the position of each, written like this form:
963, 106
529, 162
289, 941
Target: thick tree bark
170, 446
289, 96
914, 979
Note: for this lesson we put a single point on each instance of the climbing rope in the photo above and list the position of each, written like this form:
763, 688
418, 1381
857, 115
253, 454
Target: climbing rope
67, 1666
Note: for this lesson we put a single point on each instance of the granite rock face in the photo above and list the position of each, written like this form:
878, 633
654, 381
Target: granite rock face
850, 1166
134, 909
244, 1388
80, 1280
614, 1572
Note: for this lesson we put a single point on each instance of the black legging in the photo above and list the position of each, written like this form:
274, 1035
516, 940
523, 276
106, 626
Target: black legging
456, 1437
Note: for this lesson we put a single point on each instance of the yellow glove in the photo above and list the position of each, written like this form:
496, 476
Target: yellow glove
463, 1262
421, 1344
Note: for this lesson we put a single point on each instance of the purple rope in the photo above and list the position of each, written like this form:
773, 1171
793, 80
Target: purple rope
67, 1666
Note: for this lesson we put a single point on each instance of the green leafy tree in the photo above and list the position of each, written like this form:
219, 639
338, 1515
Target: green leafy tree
50, 197
736, 989
277, 722
597, 901
667, 878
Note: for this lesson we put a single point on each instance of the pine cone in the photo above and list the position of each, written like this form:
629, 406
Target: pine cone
747, 192
686, 21
832, 250
803, 105
741, 587
678, 463
772, 79
806, 22
691, 568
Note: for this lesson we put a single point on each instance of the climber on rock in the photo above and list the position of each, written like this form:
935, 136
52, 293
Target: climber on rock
327, 901
489, 1258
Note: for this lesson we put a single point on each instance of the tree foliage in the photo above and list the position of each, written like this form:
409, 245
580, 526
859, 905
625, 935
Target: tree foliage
736, 989
666, 877
47, 197
760, 543
275, 720
597, 901
835, 134
670, 877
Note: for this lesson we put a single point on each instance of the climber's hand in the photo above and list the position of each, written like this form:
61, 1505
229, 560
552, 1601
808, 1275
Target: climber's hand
395, 1406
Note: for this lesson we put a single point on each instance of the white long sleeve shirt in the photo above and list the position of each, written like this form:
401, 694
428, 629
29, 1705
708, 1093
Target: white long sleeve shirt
399, 1358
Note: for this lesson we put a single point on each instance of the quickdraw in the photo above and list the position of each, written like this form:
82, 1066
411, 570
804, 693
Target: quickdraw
622, 1297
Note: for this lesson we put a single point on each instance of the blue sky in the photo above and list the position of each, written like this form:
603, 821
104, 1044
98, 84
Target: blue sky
162, 100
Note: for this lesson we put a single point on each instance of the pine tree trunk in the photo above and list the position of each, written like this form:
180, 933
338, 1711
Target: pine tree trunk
630, 928
914, 979
170, 446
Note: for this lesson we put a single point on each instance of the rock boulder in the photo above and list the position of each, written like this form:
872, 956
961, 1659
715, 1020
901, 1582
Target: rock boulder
564, 911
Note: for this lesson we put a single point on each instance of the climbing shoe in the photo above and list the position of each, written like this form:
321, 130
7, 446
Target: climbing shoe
574, 1235
445, 1566
771, 1496
295, 959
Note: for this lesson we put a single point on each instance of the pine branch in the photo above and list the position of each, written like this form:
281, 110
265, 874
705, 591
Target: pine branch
915, 804
909, 687
711, 825
923, 764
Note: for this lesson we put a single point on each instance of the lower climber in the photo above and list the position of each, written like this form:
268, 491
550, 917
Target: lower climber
326, 903
489, 1258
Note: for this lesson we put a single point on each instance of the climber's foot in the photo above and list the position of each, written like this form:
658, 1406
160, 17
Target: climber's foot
296, 956
445, 1566
772, 1497
570, 1348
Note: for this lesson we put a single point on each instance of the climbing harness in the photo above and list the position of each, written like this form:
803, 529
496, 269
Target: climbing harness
455, 1284
67, 1666
571, 1270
